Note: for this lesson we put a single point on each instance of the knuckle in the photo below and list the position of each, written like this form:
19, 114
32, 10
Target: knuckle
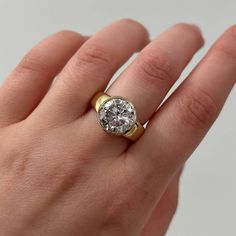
198, 108
32, 62
154, 68
14, 157
57, 178
89, 60
94, 54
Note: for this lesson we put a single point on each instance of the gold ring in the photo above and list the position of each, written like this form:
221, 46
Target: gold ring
117, 116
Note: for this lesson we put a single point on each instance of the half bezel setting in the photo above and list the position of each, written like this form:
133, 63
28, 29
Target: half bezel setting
117, 115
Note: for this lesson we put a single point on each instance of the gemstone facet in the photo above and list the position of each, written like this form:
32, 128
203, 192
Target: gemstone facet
117, 115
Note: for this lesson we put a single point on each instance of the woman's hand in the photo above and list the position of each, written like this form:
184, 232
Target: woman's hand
61, 174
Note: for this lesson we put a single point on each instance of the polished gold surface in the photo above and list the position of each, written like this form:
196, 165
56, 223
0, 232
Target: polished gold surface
98, 100
134, 133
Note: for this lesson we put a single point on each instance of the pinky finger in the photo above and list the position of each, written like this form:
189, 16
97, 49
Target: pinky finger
164, 212
181, 123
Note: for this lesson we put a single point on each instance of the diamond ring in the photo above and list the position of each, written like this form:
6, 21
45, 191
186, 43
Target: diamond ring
117, 116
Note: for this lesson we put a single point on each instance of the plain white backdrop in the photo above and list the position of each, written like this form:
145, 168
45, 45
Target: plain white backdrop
208, 187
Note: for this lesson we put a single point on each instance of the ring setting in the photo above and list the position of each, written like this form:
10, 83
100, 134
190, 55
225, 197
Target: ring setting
117, 116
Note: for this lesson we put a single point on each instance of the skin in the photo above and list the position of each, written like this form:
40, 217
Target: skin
61, 174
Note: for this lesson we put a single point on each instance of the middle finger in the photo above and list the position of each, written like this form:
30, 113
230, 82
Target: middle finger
90, 69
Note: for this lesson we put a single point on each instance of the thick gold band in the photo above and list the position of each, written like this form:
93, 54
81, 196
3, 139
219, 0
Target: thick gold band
134, 133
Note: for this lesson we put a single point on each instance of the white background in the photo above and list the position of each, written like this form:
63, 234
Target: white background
208, 188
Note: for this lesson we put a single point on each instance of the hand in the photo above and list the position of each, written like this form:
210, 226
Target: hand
61, 174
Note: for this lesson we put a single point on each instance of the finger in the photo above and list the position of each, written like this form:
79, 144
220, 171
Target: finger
165, 210
28, 83
91, 68
144, 88
181, 123
157, 67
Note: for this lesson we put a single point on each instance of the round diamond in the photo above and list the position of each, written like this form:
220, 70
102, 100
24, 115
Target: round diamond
117, 115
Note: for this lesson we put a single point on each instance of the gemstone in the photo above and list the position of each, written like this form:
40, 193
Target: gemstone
117, 115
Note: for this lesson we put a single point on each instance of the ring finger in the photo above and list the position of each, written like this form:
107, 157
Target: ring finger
147, 80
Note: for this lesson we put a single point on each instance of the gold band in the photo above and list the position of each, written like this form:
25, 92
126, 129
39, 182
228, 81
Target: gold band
134, 133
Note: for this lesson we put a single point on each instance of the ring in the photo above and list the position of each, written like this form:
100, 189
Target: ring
117, 116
